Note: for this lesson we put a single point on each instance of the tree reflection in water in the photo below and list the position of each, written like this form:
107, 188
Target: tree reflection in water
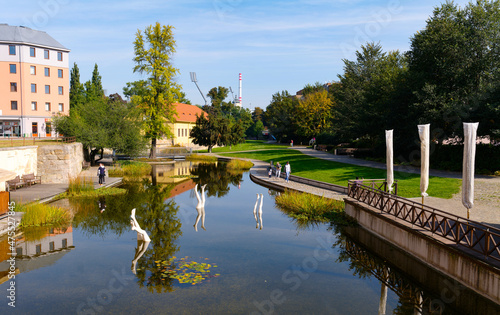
217, 178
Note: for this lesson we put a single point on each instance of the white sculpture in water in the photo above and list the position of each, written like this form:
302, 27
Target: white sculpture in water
259, 219
200, 208
143, 240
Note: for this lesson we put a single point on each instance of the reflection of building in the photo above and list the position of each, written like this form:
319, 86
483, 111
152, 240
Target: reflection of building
31, 255
34, 81
173, 172
185, 121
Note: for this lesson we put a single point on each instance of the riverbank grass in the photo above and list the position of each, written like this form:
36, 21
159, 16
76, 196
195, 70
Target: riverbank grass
129, 168
237, 164
308, 207
39, 214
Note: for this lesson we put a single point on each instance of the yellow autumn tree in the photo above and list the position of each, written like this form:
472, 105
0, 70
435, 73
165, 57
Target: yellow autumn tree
314, 114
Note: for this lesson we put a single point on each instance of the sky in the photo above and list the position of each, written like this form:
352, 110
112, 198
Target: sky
276, 45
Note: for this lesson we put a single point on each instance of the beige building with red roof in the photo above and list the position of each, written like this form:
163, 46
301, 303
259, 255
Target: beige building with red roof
185, 121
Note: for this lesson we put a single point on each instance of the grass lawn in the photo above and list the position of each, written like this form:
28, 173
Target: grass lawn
249, 145
339, 173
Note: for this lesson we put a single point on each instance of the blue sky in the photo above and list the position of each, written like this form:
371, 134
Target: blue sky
276, 45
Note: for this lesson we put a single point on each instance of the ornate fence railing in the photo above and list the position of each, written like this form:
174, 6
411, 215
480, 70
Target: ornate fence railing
480, 238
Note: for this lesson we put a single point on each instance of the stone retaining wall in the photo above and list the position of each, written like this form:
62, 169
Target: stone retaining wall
57, 164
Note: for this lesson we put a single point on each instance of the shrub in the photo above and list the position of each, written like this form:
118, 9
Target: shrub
236, 164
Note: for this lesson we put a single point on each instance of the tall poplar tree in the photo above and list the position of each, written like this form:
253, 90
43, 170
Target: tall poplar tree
153, 50
76, 89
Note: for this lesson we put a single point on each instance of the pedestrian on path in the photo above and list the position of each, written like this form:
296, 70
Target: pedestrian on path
288, 170
101, 172
278, 170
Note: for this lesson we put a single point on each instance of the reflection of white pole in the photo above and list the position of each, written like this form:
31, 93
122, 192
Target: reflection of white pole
383, 294
255, 212
470, 130
260, 211
200, 207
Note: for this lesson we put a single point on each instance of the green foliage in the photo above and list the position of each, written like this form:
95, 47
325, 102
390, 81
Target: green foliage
103, 124
76, 89
93, 88
450, 157
216, 130
38, 214
279, 116
153, 51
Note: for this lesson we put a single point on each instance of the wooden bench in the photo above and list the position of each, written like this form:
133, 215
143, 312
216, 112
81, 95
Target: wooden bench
14, 183
321, 147
31, 179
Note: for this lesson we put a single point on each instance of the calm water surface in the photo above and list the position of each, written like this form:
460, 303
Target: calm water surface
281, 268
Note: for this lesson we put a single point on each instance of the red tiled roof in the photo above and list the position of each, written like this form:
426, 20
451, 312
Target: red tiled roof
187, 113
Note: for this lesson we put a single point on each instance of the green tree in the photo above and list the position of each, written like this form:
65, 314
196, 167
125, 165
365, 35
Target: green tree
153, 50
366, 92
257, 114
76, 89
455, 67
279, 116
103, 124
93, 88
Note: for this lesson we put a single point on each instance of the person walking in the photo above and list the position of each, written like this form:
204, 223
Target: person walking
101, 172
278, 170
288, 170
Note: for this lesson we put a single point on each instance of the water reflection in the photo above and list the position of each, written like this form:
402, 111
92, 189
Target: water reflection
200, 207
420, 289
258, 220
37, 247
217, 177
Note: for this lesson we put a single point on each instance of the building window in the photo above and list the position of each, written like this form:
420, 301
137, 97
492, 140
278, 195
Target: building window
47, 89
38, 249
19, 251
32, 51
13, 105
12, 68
59, 56
46, 54
47, 72
47, 106
60, 90
34, 128
65, 243
12, 49
61, 107
33, 105
13, 86
51, 246
33, 88
59, 73
178, 132
32, 70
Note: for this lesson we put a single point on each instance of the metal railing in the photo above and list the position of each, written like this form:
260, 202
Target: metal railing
480, 238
